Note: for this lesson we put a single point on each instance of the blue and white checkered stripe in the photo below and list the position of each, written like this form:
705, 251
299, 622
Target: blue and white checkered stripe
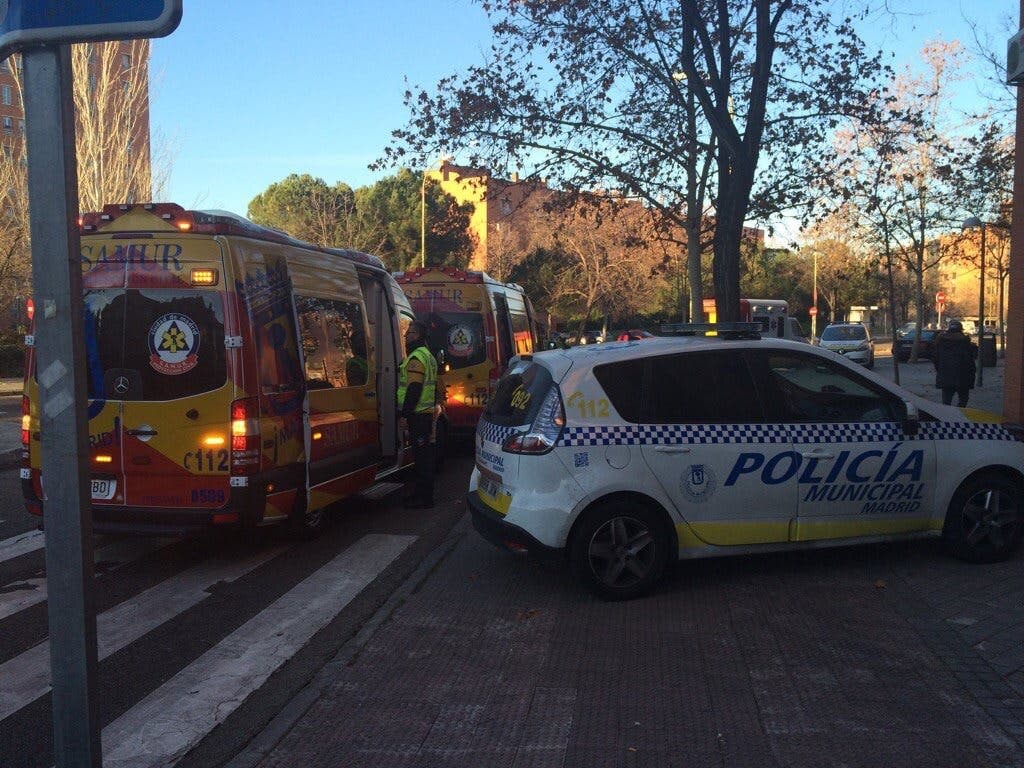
801, 434
963, 430
493, 433
671, 434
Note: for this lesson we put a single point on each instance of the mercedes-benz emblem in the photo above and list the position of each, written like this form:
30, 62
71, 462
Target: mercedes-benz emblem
122, 385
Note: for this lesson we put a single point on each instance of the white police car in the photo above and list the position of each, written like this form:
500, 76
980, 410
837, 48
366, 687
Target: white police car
627, 454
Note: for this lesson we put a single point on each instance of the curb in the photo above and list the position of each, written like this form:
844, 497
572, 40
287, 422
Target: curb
271, 735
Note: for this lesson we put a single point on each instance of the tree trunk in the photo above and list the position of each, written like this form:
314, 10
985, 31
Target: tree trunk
891, 285
694, 274
919, 306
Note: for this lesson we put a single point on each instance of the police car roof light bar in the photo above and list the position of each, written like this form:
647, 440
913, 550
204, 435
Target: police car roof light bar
718, 330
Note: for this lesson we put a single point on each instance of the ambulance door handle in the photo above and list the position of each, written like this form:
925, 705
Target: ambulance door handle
671, 449
818, 455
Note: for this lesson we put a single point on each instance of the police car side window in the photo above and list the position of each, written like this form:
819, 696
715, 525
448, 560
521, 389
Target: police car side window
811, 389
623, 383
703, 388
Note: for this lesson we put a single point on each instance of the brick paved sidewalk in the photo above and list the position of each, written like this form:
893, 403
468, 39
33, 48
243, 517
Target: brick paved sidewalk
848, 657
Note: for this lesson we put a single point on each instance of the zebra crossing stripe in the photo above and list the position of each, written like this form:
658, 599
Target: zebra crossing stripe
174, 718
26, 677
21, 544
24, 593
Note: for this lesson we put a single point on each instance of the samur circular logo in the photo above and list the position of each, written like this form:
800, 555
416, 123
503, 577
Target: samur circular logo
173, 344
698, 483
460, 341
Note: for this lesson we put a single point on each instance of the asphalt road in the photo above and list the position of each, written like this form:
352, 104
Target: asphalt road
168, 606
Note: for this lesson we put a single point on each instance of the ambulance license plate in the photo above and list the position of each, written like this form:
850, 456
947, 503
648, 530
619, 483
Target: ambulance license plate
103, 490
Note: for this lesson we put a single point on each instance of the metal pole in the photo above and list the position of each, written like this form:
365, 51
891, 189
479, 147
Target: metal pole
57, 280
423, 220
981, 307
814, 300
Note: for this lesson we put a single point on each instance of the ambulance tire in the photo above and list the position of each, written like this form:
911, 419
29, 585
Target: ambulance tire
985, 518
305, 524
620, 549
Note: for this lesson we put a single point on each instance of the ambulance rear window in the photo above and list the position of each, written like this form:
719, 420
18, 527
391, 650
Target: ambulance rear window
158, 344
460, 335
519, 395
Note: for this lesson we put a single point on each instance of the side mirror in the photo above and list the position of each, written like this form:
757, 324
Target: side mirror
911, 418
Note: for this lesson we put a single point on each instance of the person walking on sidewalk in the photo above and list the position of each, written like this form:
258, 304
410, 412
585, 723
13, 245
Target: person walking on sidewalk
417, 386
955, 356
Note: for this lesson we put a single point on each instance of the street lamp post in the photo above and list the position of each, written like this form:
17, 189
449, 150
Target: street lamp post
975, 223
814, 300
423, 220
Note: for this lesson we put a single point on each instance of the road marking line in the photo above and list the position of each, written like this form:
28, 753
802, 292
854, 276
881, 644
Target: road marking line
21, 544
24, 593
175, 717
26, 677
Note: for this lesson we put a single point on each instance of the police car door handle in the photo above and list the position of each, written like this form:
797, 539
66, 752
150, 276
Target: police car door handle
671, 449
817, 454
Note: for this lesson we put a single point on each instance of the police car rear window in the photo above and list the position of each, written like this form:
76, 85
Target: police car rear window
159, 344
623, 383
519, 395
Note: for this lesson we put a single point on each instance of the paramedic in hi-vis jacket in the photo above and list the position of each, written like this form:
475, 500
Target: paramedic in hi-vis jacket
417, 387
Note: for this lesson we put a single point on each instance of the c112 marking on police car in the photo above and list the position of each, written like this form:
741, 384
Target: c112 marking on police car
892, 485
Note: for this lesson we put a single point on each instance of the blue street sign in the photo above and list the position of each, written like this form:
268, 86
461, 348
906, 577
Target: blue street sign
25, 23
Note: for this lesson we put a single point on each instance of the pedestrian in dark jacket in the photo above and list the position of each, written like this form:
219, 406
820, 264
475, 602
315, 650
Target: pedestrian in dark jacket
954, 359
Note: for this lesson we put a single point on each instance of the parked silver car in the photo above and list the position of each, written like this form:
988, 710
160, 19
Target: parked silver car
851, 340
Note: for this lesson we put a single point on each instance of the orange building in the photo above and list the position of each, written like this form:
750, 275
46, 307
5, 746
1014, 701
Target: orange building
959, 272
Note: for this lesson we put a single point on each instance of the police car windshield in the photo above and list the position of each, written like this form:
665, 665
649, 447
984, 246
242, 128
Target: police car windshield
460, 335
153, 344
844, 333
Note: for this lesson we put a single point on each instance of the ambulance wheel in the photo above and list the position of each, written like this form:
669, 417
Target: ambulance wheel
620, 549
306, 523
984, 521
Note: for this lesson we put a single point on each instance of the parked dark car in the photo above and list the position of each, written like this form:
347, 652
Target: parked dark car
903, 346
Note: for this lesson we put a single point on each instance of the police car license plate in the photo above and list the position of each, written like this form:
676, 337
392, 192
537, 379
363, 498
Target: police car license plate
103, 490
490, 487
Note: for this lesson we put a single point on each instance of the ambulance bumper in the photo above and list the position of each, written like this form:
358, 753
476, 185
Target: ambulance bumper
240, 512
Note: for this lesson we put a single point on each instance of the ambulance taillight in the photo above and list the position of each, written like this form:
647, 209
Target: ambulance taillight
26, 422
245, 436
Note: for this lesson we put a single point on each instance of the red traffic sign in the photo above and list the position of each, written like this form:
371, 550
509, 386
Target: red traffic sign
940, 297
812, 311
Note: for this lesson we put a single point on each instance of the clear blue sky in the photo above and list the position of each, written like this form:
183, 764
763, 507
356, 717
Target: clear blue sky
246, 93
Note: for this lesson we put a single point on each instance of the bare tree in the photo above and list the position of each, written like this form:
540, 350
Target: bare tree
111, 95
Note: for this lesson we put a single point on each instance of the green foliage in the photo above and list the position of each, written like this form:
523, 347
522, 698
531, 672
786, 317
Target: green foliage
383, 218
306, 208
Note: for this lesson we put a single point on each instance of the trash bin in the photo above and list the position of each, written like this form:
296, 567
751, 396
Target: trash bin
987, 351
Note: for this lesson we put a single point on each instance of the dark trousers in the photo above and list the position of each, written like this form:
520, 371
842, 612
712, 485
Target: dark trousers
423, 453
962, 394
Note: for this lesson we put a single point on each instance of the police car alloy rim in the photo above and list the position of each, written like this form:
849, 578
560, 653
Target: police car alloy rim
990, 519
622, 552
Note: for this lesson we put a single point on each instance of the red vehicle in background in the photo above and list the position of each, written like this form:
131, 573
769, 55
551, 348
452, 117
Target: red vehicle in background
475, 325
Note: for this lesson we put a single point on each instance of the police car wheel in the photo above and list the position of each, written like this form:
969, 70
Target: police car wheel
619, 551
984, 521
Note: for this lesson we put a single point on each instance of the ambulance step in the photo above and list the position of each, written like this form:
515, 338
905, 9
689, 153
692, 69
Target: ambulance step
380, 490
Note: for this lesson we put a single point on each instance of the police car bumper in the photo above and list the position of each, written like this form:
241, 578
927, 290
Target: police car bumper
504, 535
857, 355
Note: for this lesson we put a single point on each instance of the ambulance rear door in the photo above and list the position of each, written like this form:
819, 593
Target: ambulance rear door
157, 357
